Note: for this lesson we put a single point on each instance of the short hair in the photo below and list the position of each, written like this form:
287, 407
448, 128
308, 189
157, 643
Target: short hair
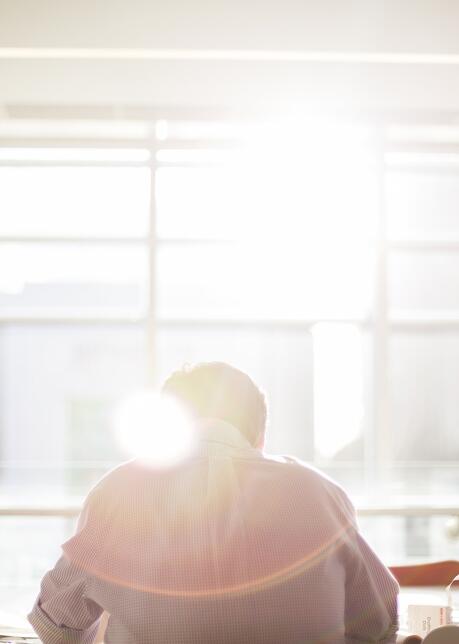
218, 390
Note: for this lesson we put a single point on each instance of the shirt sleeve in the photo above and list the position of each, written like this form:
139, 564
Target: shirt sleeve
62, 612
370, 596
371, 592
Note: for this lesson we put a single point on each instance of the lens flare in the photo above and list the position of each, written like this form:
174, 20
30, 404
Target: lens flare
155, 429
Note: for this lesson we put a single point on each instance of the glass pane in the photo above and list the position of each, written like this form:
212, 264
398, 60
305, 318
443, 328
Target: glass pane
197, 203
233, 280
301, 197
423, 281
72, 277
286, 363
338, 376
207, 156
300, 223
424, 161
199, 130
29, 546
422, 205
75, 154
342, 372
424, 377
423, 133
60, 384
72, 201
399, 540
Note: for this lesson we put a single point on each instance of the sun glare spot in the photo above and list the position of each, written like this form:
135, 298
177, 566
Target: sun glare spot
155, 429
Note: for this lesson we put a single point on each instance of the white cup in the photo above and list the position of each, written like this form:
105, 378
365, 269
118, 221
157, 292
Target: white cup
443, 635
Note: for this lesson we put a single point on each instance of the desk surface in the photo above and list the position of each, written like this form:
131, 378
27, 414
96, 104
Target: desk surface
429, 595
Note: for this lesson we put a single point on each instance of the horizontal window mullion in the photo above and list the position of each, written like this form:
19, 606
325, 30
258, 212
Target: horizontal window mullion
300, 325
72, 510
304, 324
71, 164
69, 319
423, 244
66, 142
412, 168
81, 239
409, 325
423, 324
194, 164
422, 147
77, 239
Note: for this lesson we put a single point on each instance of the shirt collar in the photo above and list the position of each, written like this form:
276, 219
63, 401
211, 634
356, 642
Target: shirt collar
213, 432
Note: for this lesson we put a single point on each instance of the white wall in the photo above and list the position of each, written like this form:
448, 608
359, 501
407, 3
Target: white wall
343, 25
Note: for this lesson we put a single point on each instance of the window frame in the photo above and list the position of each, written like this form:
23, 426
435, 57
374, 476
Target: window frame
380, 324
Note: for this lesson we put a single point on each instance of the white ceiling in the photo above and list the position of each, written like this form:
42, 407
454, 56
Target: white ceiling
320, 34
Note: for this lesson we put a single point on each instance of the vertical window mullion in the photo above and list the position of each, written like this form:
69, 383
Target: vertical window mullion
379, 450
151, 316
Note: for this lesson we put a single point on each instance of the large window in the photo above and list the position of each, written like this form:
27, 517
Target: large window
321, 257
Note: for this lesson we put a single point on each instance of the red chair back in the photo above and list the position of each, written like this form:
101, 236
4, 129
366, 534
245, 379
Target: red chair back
437, 573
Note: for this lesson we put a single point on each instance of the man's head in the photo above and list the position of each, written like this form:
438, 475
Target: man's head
217, 390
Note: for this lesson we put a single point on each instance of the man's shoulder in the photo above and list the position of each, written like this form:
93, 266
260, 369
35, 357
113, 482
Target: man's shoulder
297, 467
116, 478
304, 473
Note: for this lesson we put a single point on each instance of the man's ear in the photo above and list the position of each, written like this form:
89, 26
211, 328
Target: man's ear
261, 441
